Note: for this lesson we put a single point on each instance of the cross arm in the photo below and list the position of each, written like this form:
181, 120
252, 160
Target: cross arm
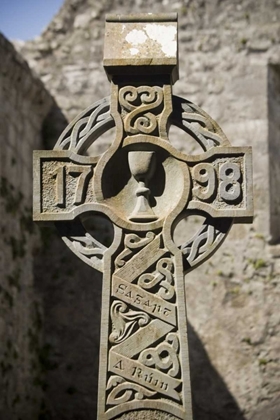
221, 183
62, 183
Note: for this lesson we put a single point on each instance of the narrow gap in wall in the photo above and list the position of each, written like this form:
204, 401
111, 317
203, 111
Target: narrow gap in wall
274, 149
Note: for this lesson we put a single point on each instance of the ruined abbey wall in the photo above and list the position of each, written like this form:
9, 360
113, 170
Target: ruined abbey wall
24, 106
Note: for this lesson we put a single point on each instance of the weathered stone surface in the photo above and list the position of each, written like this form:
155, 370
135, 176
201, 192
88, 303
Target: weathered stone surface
242, 281
147, 415
146, 45
25, 105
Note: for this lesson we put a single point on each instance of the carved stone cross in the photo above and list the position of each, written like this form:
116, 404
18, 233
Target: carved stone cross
144, 186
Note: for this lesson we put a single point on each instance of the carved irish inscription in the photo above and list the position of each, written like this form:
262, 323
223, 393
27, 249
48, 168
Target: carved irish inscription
144, 186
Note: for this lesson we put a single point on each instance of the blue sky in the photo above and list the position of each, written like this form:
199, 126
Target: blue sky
25, 19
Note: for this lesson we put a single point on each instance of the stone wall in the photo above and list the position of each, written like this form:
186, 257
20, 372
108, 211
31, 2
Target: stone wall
229, 65
273, 148
25, 104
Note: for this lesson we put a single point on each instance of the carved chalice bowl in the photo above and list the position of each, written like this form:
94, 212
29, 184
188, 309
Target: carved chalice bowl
142, 167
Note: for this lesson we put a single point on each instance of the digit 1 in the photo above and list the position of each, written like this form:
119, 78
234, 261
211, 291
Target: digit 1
59, 175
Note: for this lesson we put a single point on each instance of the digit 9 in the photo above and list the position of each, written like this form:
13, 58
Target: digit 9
205, 177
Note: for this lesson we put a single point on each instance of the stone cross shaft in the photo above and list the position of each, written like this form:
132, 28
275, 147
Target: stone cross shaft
144, 186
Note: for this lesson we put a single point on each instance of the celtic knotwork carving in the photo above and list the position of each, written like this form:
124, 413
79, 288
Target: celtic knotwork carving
164, 357
163, 276
87, 245
137, 102
133, 242
205, 241
124, 321
82, 243
192, 119
123, 391
86, 128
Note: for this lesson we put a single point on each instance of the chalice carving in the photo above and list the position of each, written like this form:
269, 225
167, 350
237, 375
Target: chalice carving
142, 167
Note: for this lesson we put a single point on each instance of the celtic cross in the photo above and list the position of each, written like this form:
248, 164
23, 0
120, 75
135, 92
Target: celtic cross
144, 186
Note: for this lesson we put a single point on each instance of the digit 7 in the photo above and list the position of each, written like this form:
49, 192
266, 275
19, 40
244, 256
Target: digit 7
84, 172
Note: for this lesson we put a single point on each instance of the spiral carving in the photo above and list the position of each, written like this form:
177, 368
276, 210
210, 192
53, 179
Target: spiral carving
133, 242
124, 321
124, 391
136, 103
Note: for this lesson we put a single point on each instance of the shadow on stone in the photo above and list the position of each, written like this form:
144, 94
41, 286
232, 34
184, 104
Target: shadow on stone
211, 398
68, 358
53, 125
